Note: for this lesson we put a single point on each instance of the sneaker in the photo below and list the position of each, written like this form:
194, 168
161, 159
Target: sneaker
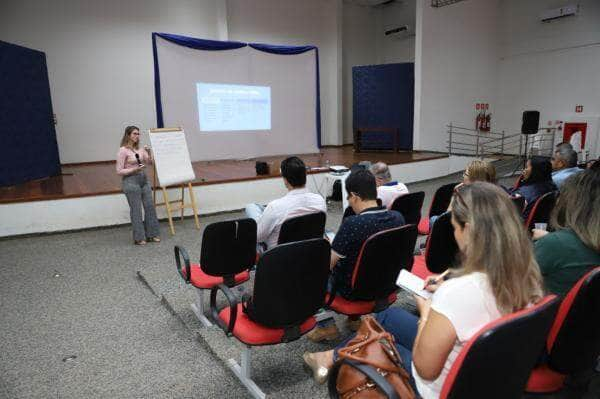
352, 325
154, 239
319, 334
320, 373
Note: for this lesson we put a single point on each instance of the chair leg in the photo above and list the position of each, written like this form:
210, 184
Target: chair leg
198, 308
244, 373
324, 315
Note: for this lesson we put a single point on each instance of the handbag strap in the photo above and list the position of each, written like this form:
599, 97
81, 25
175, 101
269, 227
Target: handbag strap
348, 352
377, 379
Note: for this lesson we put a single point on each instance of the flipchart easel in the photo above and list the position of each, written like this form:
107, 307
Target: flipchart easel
172, 167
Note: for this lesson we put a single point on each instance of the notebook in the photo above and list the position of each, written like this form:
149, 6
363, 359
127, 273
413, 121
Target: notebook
412, 283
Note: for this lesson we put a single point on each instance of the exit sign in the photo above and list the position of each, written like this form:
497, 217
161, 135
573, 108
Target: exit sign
579, 108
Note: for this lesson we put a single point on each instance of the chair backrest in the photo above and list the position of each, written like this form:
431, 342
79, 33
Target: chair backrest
290, 283
350, 212
441, 199
303, 227
497, 360
540, 213
380, 260
519, 202
574, 340
409, 205
441, 250
228, 247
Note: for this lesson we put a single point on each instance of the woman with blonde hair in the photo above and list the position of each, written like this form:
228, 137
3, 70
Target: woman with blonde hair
566, 254
131, 161
499, 275
479, 170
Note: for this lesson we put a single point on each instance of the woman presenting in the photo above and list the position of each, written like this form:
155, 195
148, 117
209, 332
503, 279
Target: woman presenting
131, 161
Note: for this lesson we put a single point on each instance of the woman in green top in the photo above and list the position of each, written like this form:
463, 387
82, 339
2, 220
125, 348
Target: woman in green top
568, 253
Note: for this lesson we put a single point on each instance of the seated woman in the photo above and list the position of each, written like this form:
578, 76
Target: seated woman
535, 182
499, 275
569, 252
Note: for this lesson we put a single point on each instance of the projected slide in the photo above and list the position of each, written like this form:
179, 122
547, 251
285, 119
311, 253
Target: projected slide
224, 107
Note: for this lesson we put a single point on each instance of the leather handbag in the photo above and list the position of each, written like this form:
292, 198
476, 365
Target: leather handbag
370, 367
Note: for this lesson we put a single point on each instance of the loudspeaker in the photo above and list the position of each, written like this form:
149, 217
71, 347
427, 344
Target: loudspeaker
262, 168
531, 122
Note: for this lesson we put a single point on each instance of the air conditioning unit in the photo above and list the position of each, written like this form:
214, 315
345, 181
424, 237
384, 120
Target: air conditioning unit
399, 32
556, 13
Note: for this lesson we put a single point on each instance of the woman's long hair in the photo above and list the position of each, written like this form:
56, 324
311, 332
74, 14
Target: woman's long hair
497, 244
578, 207
541, 170
126, 142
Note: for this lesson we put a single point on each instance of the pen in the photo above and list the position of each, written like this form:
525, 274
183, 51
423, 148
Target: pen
437, 279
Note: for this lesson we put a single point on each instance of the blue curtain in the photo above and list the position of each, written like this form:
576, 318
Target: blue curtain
216, 45
28, 148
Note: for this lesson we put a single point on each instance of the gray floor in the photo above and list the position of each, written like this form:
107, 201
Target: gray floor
124, 313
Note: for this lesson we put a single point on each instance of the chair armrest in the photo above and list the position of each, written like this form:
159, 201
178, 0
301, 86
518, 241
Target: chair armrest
232, 300
186, 260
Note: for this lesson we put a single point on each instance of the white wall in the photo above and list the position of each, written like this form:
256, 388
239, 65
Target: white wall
399, 47
293, 22
550, 67
100, 63
456, 63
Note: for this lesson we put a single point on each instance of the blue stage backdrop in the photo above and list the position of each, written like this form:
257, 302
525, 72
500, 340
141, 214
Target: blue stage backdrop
28, 148
383, 97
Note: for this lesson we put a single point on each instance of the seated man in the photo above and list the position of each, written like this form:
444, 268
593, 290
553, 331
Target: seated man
387, 190
298, 201
354, 231
564, 164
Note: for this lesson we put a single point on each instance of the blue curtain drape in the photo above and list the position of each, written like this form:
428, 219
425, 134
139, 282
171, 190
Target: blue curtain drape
28, 148
217, 45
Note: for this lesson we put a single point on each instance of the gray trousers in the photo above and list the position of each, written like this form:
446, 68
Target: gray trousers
139, 194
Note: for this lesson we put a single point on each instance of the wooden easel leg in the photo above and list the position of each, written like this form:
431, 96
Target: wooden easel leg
168, 206
193, 200
182, 204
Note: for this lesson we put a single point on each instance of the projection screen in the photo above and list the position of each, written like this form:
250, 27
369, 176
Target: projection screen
238, 103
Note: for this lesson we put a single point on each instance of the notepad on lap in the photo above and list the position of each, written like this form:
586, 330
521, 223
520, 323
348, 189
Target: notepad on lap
412, 283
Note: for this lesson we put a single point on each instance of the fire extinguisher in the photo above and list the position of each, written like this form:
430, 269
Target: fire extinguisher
487, 121
478, 117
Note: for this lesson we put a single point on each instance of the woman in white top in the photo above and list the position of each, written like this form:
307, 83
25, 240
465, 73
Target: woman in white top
499, 275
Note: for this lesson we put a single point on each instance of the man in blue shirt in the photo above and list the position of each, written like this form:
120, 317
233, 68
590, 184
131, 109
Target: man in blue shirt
354, 231
564, 164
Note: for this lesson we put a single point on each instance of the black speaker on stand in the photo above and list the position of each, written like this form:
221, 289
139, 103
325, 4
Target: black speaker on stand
530, 125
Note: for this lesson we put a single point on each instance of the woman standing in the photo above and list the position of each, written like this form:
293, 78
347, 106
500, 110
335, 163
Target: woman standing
499, 276
131, 161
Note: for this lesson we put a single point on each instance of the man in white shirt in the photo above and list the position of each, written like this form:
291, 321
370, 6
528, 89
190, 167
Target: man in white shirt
298, 201
564, 164
387, 190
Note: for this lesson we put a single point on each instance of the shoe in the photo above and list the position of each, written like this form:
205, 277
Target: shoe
352, 325
320, 334
154, 239
140, 242
320, 373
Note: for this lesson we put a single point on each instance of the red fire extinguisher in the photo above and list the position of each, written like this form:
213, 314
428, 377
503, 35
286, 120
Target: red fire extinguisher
478, 117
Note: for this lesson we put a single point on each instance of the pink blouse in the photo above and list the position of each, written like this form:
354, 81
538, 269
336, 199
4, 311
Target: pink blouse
127, 163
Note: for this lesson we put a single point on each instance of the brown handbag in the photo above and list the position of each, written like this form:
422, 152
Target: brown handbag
369, 367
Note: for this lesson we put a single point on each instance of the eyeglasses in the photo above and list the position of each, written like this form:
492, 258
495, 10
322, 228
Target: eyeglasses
465, 175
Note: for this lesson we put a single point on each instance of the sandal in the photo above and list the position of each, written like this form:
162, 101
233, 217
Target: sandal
320, 373
140, 242
154, 239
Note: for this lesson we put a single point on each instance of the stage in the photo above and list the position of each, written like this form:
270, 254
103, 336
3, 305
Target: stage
90, 196
100, 178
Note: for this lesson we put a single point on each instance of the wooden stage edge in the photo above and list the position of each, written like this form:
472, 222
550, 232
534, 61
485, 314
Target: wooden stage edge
100, 178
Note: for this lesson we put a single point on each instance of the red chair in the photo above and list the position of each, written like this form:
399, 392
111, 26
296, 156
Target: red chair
573, 344
303, 227
519, 202
409, 205
441, 249
495, 363
439, 204
540, 213
289, 288
379, 262
228, 252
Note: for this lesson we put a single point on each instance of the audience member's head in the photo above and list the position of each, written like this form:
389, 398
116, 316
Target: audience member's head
361, 189
578, 207
490, 234
537, 170
131, 137
593, 164
564, 158
293, 171
381, 172
563, 146
479, 171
